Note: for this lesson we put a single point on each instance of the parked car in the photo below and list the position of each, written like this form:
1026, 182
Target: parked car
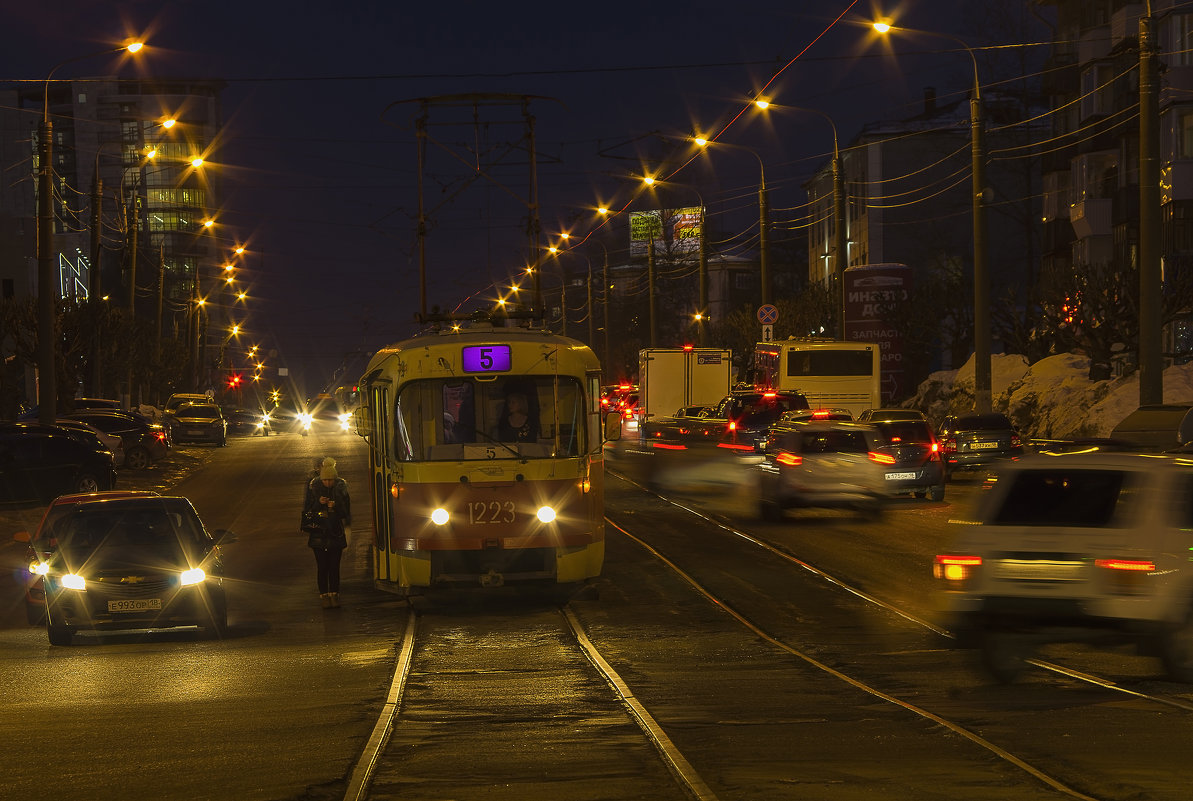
917, 467
120, 563
179, 398
39, 463
144, 443
977, 440
197, 422
822, 464
35, 591
111, 442
808, 415
877, 415
1077, 547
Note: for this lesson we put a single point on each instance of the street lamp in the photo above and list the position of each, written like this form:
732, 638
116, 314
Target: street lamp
763, 219
47, 292
981, 290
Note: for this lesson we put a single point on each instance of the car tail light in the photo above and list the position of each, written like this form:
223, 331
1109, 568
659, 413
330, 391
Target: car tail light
1141, 565
955, 567
667, 446
1015, 441
789, 459
880, 458
1126, 576
732, 426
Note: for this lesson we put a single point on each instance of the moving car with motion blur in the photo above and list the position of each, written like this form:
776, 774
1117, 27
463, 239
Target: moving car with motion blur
828, 464
118, 562
39, 463
977, 440
1076, 547
248, 421
197, 422
144, 443
874, 415
739, 421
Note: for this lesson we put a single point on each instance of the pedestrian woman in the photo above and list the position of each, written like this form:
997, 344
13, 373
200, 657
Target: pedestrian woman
327, 497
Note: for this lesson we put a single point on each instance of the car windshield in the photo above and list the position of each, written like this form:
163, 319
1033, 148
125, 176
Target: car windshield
905, 431
812, 442
154, 532
525, 416
984, 422
199, 412
1076, 498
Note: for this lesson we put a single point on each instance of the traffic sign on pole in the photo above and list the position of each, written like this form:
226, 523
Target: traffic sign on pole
768, 331
768, 314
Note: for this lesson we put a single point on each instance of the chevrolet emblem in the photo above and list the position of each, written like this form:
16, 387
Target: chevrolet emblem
132, 579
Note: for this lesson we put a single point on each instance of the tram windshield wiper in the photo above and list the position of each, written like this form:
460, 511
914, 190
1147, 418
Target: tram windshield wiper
494, 440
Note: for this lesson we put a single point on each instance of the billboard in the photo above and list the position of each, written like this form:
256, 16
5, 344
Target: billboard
674, 231
873, 296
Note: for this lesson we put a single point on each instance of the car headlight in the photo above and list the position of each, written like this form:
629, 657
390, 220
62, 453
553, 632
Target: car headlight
39, 568
73, 581
193, 576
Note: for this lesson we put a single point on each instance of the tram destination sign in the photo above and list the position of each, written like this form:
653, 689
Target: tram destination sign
487, 359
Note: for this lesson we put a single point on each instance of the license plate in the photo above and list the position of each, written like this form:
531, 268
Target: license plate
899, 476
982, 446
136, 605
1036, 570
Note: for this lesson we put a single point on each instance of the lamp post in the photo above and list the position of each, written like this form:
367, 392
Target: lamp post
763, 219
605, 301
47, 291
981, 291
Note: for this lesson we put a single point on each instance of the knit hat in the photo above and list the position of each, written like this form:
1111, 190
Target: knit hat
328, 470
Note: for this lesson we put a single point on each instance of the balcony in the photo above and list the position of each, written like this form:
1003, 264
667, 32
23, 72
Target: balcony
1091, 217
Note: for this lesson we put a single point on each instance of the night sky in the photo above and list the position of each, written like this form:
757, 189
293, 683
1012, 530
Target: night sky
318, 157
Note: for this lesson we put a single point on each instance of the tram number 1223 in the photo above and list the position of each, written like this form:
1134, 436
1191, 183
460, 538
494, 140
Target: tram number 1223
491, 512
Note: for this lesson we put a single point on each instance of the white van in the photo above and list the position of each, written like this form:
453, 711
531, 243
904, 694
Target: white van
1076, 547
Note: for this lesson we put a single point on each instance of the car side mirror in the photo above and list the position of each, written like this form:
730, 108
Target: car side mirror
223, 536
613, 426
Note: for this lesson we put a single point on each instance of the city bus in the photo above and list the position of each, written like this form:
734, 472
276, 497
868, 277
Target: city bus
831, 373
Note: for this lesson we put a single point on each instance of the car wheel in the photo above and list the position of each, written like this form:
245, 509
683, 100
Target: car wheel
137, 458
59, 635
920, 493
86, 483
1004, 655
936, 493
1176, 651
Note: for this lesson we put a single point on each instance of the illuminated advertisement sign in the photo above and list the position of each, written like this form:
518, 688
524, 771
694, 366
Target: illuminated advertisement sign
673, 231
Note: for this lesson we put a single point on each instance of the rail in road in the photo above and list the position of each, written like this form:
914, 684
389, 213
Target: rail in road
507, 687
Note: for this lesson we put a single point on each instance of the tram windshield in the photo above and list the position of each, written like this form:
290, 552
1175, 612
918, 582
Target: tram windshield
526, 417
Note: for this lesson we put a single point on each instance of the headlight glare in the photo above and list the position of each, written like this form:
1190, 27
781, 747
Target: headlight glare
193, 576
439, 516
74, 582
546, 514
39, 568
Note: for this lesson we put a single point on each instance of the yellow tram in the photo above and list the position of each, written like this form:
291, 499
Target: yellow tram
485, 458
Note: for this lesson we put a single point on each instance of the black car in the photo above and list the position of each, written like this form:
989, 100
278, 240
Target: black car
197, 422
119, 563
248, 421
144, 443
39, 463
918, 467
977, 440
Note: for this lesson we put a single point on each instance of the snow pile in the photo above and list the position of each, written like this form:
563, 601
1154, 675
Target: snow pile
1051, 399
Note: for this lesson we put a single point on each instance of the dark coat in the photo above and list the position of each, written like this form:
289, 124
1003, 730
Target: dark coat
338, 516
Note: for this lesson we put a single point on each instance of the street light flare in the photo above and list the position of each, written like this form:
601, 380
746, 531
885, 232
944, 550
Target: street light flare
169, 122
882, 27
197, 161
134, 47
762, 103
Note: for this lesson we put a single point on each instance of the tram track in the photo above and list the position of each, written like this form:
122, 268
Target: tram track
1045, 768
843, 584
374, 764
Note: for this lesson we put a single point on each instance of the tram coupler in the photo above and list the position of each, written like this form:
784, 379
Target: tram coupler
492, 579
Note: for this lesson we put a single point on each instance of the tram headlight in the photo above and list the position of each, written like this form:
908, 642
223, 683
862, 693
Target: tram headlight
546, 514
440, 516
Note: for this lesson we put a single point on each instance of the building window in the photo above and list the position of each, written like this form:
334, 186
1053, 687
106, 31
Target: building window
82, 98
1177, 36
1095, 90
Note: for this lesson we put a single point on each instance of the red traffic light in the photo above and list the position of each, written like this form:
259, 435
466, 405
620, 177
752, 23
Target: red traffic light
234, 380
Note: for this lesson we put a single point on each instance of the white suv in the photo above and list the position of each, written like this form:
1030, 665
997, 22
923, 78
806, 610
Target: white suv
1093, 547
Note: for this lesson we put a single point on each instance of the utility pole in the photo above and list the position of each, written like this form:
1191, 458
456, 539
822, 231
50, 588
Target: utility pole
654, 339
702, 322
763, 236
95, 291
1151, 375
133, 224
